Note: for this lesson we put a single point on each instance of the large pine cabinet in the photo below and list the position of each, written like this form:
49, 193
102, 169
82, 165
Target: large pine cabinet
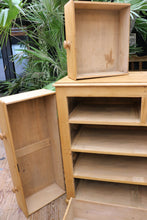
103, 130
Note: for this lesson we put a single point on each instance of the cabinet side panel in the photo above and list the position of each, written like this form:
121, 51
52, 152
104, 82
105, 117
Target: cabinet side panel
9, 147
124, 29
69, 11
144, 110
65, 141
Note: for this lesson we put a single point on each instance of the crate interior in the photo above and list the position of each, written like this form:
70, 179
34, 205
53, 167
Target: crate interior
106, 110
102, 39
34, 129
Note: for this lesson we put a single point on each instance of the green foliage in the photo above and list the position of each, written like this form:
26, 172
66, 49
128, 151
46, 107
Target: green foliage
141, 27
44, 50
9, 11
26, 82
137, 6
134, 49
47, 20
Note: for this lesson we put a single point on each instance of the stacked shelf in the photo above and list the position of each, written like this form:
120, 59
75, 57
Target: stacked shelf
109, 142
128, 141
111, 168
112, 193
115, 111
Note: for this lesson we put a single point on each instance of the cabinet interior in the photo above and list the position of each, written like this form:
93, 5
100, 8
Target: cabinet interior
104, 110
112, 193
110, 168
79, 210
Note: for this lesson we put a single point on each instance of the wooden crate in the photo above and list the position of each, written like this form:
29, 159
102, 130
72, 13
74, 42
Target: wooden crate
29, 129
97, 39
79, 209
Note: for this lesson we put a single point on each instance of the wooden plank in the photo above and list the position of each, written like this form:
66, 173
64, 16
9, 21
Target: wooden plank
10, 151
105, 114
69, 10
135, 58
65, 141
26, 96
69, 211
111, 140
43, 197
144, 110
32, 147
93, 211
124, 35
119, 169
113, 193
100, 5
138, 78
100, 74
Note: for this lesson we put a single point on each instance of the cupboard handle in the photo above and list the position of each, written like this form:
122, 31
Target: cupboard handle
66, 44
14, 190
2, 136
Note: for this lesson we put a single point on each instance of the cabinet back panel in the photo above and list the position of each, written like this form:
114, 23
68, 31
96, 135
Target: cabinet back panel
36, 170
28, 122
97, 40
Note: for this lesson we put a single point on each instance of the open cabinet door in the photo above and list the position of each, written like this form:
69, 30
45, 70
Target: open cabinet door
30, 133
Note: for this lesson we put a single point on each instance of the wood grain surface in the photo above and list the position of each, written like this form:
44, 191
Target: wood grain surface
9, 209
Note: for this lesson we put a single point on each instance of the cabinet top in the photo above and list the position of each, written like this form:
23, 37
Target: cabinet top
137, 78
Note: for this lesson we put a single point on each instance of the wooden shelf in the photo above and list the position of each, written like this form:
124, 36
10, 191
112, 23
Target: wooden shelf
89, 210
119, 169
111, 140
43, 197
105, 114
112, 193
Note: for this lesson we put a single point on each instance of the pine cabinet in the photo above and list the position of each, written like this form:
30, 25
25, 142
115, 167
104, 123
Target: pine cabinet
103, 129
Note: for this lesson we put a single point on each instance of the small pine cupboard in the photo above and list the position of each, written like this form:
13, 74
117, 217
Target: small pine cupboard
29, 129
